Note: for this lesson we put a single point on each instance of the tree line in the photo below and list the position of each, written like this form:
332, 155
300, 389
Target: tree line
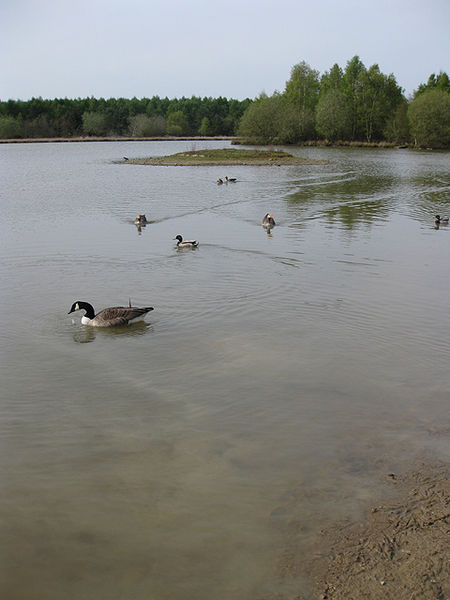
145, 117
355, 104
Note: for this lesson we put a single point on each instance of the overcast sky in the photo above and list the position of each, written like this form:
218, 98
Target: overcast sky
231, 48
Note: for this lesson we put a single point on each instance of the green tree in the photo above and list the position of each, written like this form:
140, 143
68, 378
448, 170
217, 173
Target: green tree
205, 127
435, 82
143, 126
177, 123
94, 123
302, 89
332, 80
261, 122
64, 117
351, 87
296, 125
298, 104
397, 126
334, 116
9, 128
158, 126
38, 127
378, 97
429, 118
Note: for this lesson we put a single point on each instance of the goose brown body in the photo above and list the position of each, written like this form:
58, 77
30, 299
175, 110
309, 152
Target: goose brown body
109, 317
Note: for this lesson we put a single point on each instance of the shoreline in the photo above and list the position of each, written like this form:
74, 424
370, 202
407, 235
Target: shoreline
234, 141
112, 139
396, 551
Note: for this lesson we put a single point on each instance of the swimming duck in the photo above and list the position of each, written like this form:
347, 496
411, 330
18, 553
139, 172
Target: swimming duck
185, 243
141, 220
230, 179
268, 220
441, 221
219, 181
109, 317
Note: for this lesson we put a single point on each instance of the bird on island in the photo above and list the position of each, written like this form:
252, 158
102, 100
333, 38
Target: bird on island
268, 221
441, 220
125, 158
141, 220
219, 181
109, 317
185, 243
230, 179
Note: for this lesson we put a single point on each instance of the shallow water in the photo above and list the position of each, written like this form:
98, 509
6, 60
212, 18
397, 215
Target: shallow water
278, 378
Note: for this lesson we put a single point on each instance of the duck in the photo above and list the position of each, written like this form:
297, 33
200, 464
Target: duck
109, 317
185, 243
230, 179
141, 220
219, 181
441, 220
268, 220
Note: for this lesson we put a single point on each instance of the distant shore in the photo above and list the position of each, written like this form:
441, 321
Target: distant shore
234, 140
165, 138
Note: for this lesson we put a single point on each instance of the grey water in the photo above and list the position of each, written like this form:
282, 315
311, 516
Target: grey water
279, 378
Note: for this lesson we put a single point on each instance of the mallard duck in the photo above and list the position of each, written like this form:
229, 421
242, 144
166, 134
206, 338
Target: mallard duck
141, 220
268, 220
109, 317
185, 243
230, 179
441, 220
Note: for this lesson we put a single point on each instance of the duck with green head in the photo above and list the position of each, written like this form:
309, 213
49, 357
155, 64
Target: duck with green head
185, 243
441, 220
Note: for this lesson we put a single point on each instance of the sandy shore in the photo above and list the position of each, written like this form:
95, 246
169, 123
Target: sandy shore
400, 551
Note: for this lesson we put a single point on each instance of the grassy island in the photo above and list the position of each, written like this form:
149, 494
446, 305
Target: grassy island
225, 156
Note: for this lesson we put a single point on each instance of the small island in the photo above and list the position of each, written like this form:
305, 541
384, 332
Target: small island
225, 156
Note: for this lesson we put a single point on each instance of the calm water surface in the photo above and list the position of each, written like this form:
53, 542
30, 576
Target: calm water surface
278, 380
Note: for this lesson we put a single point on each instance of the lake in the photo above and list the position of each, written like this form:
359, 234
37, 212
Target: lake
278, 380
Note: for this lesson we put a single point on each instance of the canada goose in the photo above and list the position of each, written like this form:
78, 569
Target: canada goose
219, 181
109, 317
441, 220
268, 220
185, 243
141, 220
230, 179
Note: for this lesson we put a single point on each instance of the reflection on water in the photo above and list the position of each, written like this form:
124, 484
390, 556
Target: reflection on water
85, 334
349, 201
282, 375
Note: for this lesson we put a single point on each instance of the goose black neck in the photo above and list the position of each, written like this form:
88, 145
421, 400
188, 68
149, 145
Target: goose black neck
90, 313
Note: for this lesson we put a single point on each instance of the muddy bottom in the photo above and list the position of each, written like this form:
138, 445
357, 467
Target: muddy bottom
400, 551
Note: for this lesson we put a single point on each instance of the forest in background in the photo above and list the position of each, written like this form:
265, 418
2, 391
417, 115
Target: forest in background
145, 117
352, 105
355, 104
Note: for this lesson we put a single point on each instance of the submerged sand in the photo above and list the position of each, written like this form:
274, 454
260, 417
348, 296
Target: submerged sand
400, 551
